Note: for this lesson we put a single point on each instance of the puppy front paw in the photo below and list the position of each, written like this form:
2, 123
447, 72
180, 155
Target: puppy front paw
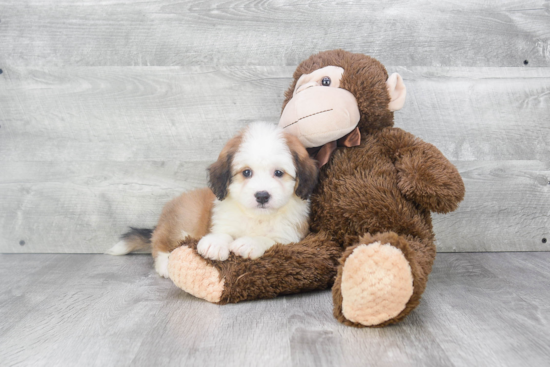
161, 263
215, 246
250, 247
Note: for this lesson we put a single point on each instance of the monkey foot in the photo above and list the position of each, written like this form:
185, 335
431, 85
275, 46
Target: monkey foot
376, 284
190, 272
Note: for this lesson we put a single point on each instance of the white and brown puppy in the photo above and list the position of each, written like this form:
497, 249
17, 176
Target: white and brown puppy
262, 181
259, 196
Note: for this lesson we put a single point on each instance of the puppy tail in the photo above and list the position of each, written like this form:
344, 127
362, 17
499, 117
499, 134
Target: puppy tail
134, 239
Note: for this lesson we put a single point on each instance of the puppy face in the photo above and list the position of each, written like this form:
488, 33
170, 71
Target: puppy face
262, 169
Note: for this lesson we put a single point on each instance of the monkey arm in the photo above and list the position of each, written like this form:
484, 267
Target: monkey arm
310, 264
426, 177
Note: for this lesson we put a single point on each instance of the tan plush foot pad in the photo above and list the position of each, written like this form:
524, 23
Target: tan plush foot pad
376, 285
191, 273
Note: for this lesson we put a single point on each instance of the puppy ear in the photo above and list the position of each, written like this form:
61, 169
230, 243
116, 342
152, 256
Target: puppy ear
219, 172
307, 173
307, 170
219, 176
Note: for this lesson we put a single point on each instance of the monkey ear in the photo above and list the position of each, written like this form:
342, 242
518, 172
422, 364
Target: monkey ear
307, 172
397, 91
219, 175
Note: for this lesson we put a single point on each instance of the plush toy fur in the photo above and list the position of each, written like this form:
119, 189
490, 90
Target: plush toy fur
372, 237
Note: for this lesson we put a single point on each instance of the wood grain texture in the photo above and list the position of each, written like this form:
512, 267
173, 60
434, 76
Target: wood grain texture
146, 113
479, 113
132, 113
67, 310
473, 293
82, 207
108, 109
506, 208
86, 151
193, 32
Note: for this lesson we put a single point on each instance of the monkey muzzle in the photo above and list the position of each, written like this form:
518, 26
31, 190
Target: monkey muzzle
319, 115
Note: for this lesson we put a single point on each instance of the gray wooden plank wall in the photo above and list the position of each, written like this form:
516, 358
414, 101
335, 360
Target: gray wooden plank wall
109, 109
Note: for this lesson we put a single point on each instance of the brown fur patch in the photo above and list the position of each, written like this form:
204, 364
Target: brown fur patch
220, 172
360, 193
283, 269
188, 213
307, 170
428, 179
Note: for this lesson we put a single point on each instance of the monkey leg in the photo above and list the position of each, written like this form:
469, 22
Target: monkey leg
284, 269
381, 279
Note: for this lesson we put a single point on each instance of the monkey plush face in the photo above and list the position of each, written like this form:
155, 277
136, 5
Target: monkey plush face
335, 92
318, 97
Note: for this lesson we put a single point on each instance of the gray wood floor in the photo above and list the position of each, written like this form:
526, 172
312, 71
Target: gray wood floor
483, 309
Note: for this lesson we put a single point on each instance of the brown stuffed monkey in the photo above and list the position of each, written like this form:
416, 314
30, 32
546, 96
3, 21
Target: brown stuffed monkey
371, 231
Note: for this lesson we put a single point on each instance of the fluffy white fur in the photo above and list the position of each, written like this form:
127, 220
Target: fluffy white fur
161, 261
161, 264
239, 222
120, 248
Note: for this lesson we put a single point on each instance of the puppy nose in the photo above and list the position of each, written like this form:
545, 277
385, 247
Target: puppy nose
262, 197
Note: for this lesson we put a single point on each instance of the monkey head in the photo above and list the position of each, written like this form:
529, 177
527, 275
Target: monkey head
336, 93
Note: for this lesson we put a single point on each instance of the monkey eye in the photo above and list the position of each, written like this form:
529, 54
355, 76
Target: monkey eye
325, 81
279, 173
247, 173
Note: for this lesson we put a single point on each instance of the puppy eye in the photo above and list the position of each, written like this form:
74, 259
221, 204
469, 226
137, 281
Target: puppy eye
326, 81
247, 173
279, 173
